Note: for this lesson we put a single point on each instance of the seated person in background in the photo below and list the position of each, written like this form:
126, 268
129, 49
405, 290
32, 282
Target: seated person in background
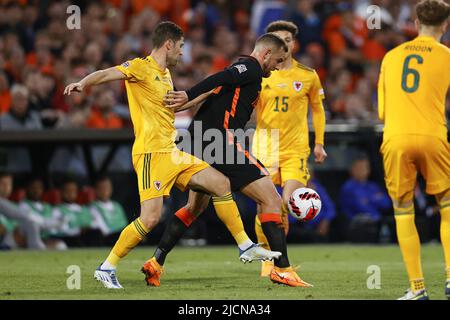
8, 232
76, 231
12, 216
34, 205
19, 116
363, 202
109, 216
316, 230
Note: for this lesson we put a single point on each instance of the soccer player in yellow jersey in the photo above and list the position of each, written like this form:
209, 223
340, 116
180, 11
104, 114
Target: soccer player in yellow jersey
281, 139
158, 163
414, 80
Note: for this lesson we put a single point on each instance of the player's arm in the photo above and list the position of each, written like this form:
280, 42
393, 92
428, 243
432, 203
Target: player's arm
234, 75
381, 92
176, 99
193, 103
95, 78
318, 119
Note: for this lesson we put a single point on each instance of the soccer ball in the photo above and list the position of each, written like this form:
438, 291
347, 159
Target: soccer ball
304, 204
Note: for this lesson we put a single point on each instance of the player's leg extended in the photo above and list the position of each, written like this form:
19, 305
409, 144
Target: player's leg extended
218, 185
288, 188
265, 194
260, 236
212, 181
180, 222
292, 174
266, 266
129, 238
175, 229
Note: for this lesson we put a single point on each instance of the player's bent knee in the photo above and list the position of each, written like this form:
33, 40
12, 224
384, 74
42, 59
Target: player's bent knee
150, 220
271, 203
222, 187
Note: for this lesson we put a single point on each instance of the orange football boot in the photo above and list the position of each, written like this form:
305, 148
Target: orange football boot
152, 270
287, 276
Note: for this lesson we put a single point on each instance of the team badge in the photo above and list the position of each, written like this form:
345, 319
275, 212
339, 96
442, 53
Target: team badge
241, 67
157, 185
298, 85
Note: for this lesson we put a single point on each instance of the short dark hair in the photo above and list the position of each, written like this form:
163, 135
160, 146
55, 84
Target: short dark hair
432, 12
282, 25
272, 39
164, 31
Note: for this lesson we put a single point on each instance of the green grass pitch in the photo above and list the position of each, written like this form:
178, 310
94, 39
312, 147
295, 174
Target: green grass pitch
214, 272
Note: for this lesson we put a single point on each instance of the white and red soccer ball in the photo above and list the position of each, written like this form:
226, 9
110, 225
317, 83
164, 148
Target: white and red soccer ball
304, 204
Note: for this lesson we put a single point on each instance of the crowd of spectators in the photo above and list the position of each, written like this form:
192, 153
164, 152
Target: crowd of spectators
39, 54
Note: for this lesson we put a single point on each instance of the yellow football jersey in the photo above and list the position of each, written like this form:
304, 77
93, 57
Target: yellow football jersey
412, 87
283, 106
153, 123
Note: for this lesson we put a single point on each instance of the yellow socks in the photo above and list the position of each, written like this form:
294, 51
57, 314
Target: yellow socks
228, 213
417, 285
409, 242
260, 236
445, 235
128, 239
285, 217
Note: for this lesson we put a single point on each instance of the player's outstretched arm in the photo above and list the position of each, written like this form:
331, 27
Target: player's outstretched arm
227, 77
197, 101
97, 77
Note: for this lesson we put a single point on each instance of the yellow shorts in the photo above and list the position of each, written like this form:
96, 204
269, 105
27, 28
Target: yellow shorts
289, 168
404, 156
157, 172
